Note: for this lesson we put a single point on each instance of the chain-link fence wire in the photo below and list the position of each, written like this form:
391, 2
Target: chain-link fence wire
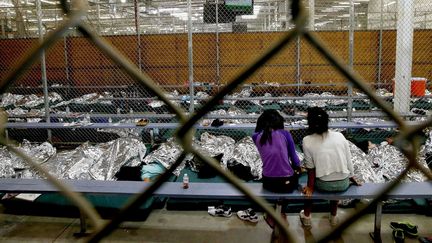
77, 68
409, 147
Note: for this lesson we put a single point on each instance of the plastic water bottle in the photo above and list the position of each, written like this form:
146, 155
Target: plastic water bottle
185, 181
87, 118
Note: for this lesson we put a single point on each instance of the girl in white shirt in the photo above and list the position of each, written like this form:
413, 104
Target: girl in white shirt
328, 161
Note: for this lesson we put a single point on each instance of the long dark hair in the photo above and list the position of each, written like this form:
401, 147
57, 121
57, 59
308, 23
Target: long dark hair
318, 120
269, 120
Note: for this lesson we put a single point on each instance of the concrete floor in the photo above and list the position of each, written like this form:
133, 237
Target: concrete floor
198, 226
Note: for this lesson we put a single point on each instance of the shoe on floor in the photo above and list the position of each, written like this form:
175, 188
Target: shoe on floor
222, 210
248, 215
305, 220
425, 239
398, 236
408, 228
333, 220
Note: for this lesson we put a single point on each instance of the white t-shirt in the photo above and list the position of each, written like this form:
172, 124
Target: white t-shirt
329, 154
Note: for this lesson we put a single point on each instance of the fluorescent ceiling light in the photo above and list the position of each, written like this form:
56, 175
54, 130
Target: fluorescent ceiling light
182, 16
249, 16
51, 19
7, 5
390, 3
169, 10
49, 2
329, 11
322, 23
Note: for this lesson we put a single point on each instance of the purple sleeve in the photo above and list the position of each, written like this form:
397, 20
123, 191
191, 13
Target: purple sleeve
255, 137
291, 149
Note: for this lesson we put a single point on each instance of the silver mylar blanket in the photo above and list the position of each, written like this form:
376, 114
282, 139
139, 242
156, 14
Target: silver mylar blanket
391, 162
246, 153
166, 155
212, 145
99, 162
363, 167
11, 162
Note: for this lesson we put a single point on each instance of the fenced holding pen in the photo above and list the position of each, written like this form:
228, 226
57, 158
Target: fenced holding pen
195, 50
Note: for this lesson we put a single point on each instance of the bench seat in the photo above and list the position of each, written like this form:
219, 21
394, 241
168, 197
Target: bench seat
221, 190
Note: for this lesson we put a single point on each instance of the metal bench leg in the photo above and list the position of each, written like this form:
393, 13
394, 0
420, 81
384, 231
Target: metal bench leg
376, 235
83, 226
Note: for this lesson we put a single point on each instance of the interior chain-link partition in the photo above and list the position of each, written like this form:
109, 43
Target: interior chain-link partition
154, 72
193, 58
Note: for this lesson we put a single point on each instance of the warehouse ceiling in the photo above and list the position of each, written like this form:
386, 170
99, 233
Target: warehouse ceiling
111, 17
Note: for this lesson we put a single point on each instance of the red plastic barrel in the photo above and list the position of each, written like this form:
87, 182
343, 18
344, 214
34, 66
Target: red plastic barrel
418, 86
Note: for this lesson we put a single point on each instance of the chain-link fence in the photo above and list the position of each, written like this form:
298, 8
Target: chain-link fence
191, 57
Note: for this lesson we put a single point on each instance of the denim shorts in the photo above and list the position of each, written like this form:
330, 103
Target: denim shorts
332, 186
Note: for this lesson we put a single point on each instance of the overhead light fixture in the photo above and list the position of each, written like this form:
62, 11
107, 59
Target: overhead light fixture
6, 5
249, 16
49, 2
390, 3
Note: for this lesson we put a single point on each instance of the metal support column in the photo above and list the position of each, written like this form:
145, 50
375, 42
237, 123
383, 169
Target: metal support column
351, 57
404, 50
376, 234
137, 29
43, 68
286, 15
65, 45
298, 61
312, 15
269, 18
217, 46
98, 17
190, 58
380, 42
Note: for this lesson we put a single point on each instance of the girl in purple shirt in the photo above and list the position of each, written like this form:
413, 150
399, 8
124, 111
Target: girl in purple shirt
280, 161
281, 164
277, 150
